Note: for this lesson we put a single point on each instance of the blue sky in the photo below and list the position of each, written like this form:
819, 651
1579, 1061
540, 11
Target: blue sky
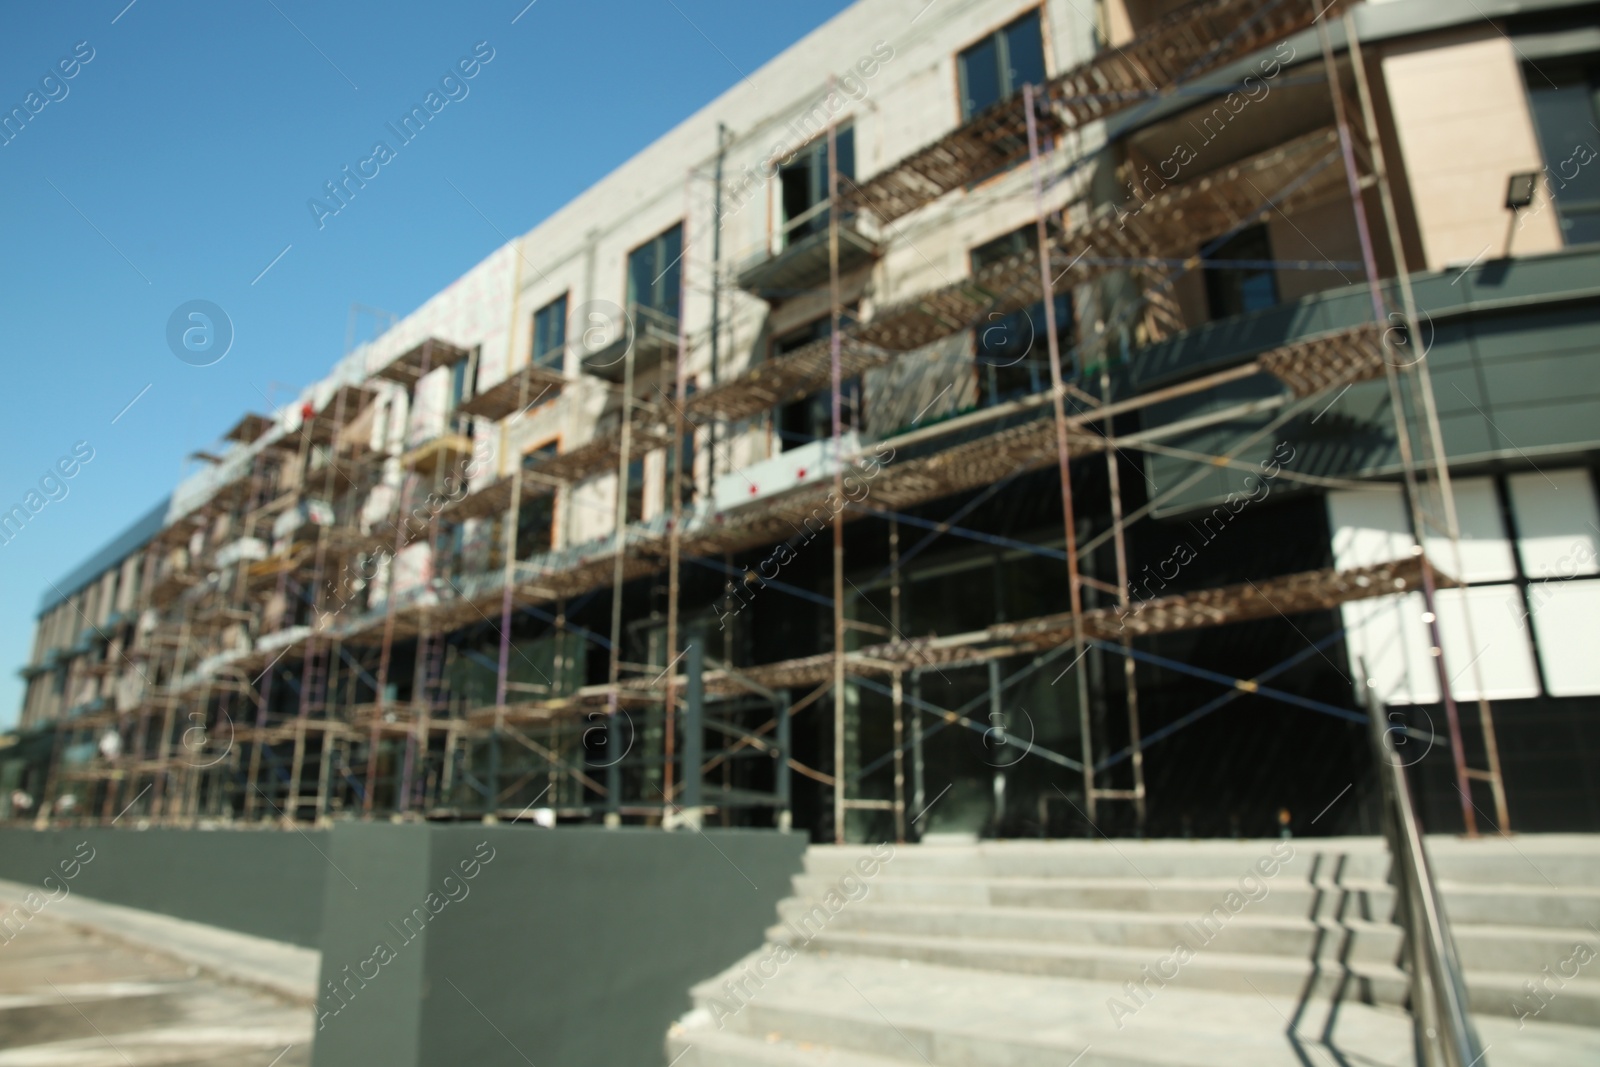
176, 163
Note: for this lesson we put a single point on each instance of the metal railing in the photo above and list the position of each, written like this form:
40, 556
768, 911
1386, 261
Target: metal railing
1441, 1023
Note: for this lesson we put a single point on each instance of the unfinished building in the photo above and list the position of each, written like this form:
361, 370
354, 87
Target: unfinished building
984, 420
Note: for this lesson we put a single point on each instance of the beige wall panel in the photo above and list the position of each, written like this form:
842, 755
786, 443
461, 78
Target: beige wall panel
1461, 111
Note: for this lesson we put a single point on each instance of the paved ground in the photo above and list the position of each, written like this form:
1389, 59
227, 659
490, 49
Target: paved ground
74, 999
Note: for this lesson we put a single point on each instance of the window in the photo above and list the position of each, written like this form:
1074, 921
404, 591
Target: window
803, 182
686, 450
535, 525
1012, 352
653, 273
452, 551
535, 516
463, 378
635, 508
1250, 286
1565, 115
811, 418
550, 334
997, 67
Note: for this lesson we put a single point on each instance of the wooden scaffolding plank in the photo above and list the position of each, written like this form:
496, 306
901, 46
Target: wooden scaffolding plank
1268, 598
789, 377
406, 369
1191, 41
532, 384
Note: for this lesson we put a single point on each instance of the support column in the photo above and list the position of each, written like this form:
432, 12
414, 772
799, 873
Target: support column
694, 727
782, 782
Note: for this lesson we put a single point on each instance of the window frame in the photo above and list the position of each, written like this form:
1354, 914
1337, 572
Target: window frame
540, 359
1216, 277
1574, 212
463, 386
551, 445
656, 243
996, 33
1025, 241
816, 148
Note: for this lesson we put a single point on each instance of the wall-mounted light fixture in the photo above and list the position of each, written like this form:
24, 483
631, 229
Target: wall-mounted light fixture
1520, 191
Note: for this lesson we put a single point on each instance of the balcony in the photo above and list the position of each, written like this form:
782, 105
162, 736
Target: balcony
445, 450
652, 335
802, 264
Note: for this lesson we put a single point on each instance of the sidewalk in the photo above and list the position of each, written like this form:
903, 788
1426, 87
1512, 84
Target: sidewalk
286, 971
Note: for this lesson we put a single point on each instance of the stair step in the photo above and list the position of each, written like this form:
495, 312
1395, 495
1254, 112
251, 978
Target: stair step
1369, 980
1505, 993
705, 1047
1522, 949
928, 1013
1567, 861
1022, 954
1531, 905
863, 1012
1187, 896
1560, 860
1136, 859
1246, 932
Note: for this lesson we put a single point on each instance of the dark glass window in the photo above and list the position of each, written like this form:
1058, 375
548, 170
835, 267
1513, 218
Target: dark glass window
453, 550
550, 334
997, 67
804, 184
653, 273
536, 515
1013, 354
463, 378
685, 450
1250, 286
1565, 114
635, 510
816, 330
535, 525
811, 418
461, 383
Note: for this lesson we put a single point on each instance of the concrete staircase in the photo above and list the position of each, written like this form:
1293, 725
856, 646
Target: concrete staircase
1017, 954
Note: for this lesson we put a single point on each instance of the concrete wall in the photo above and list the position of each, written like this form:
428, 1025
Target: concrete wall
445, 944
574, 947
266, 883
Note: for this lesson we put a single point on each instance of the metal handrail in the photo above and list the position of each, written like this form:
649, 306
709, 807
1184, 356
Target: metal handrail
1441, 1023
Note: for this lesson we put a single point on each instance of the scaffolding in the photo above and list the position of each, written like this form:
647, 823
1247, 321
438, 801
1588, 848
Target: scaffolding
355, 733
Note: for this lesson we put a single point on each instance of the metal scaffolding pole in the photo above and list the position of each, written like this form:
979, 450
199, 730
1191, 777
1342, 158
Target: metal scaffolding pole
514, 509
311, 685
1063, 450
392, 582
1129, 673
675, 528
613, 817
1402, 426
1424, 383
835, 312
899, 687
